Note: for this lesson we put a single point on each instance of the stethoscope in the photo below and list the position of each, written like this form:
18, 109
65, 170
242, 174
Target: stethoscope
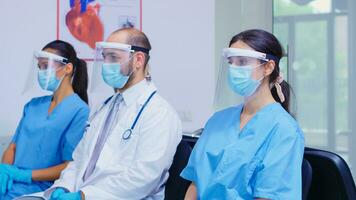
126, 134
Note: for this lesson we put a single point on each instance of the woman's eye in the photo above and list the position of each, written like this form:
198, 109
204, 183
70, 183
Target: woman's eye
115, 58
242, 62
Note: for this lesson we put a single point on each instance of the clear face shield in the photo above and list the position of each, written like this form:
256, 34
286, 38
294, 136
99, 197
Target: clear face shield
239, 75
46, 72
112, 65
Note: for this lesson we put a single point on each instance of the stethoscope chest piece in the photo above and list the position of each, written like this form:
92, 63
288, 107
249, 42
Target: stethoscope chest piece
127, 134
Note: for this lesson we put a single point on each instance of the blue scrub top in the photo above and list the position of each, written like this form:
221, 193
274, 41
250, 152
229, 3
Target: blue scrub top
262, 160
44, 140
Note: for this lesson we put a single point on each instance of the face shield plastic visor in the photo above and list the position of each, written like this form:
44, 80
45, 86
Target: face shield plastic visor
242, 63
112, 65
45, 72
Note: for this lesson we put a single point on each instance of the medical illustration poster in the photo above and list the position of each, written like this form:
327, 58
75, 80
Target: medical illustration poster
85, 22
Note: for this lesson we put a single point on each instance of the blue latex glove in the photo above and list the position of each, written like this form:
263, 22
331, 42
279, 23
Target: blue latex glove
60, 194
57, 193
16, 174
5, 183
71, 196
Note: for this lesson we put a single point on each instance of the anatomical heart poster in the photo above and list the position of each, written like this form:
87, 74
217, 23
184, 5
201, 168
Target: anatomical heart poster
85, 22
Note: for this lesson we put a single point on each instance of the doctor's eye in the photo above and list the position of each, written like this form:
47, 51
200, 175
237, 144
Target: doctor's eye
42, 66
111, 57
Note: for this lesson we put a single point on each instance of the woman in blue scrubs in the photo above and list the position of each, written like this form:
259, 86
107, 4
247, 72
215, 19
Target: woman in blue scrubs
51, 126
253, 150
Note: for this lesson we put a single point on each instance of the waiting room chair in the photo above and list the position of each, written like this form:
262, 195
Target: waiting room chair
331, 177
307, 173
176, 186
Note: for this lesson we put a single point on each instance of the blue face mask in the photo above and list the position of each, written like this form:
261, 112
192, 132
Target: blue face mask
112, 75
240, 80
48, 80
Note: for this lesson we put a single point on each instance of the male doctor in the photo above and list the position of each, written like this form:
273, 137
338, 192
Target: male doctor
129, 146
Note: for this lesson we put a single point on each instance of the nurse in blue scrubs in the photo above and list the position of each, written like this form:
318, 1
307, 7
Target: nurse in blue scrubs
51, 126
253, 150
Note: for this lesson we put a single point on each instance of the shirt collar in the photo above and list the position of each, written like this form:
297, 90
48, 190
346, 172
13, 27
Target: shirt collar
133, 94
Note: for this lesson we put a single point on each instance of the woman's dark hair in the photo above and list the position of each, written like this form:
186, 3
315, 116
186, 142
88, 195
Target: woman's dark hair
80, 73
267, 43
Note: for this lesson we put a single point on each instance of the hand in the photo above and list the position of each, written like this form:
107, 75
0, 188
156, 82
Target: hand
5, 183
16, 174
57, 193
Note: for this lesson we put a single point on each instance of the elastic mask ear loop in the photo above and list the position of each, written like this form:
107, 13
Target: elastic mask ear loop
74, 71
61, 68
61, 79
259, 80
133, 55
124, 63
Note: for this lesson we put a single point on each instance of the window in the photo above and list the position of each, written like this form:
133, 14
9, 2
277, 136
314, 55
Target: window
316, 37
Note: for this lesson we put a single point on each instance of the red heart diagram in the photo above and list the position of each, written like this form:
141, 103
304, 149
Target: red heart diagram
85, 26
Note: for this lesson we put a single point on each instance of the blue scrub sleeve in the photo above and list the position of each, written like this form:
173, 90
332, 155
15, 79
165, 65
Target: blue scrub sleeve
74, 133
280, 177
19, 126
189, 172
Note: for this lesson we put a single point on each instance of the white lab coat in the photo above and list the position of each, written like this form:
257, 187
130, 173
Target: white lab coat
128, 169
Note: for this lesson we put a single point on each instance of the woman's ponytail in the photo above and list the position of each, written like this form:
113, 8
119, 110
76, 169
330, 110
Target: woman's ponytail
80, 79
284, 98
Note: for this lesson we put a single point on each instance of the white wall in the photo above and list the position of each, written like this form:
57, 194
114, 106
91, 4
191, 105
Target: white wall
182, 36
184, 52
25, 26
181, 33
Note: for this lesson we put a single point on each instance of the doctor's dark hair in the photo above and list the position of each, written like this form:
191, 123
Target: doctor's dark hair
80, 73
266, 42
